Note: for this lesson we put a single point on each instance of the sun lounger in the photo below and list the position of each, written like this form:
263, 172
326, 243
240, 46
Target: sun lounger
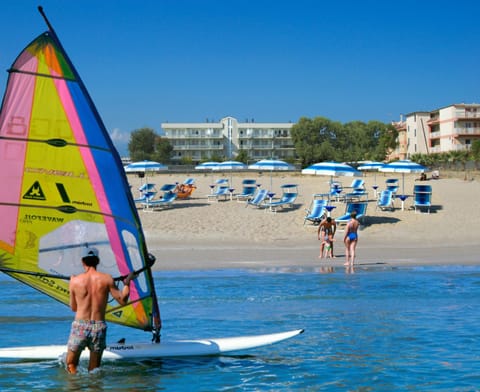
287, 200
165, 201
316, 212
258, 199
391, 185
385, 200
422, 197
247, 192
221, 191
359, 207
289, 195
185, 190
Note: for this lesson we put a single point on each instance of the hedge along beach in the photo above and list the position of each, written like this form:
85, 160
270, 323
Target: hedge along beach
198, 234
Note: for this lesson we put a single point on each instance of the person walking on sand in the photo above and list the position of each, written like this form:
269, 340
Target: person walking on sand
351, 238
326, 232
88, 299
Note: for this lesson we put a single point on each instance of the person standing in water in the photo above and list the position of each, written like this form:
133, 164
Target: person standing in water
351, 239
326, 232
88, 299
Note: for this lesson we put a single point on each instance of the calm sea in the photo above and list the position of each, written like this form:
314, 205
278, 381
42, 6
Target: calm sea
379, 329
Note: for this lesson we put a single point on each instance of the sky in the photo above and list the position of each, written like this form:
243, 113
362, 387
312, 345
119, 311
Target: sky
154, 61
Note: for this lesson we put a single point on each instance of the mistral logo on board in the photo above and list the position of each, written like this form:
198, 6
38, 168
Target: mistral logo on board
35, 192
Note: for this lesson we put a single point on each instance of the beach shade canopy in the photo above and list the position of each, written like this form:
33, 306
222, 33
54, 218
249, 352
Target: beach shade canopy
371, 166
271, 165
145, 166
332, 169
403, 166
207, 166
231, 166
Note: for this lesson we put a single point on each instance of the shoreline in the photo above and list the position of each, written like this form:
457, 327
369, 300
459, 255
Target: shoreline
196, 234
176, 257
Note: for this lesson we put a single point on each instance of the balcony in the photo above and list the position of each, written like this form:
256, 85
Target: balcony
467, 131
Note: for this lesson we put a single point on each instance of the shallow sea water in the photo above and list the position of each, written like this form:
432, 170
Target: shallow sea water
379, 329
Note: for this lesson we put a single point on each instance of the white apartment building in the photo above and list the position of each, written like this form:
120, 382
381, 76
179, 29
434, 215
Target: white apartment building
224, 139
451, 128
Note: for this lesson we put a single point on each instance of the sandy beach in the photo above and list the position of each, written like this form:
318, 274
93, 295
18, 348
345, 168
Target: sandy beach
198, 234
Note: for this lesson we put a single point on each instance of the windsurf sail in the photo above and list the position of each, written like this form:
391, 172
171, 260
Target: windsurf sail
63, 186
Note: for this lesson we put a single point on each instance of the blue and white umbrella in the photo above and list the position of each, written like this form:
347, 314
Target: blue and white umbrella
145, 166
271, 165
231, 166
207, 166
332, 169
371, 165
403, 166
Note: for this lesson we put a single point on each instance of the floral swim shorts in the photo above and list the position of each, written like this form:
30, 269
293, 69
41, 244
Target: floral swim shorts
88, 333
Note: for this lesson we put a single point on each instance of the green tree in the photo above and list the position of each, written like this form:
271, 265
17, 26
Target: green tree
475, 151
146, 144
163, 150
315, 140
242, 156
320, 140
142, 144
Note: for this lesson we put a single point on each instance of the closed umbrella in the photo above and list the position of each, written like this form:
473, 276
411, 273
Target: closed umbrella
271, 165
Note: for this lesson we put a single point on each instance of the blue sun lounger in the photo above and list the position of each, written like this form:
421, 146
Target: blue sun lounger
359, 207
316, 212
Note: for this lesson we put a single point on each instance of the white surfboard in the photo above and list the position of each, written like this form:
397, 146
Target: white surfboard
174, 348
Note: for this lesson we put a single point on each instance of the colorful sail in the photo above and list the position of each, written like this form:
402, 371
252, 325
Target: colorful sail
63, 187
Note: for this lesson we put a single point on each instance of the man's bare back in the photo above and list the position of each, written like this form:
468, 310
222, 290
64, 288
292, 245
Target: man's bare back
89, 294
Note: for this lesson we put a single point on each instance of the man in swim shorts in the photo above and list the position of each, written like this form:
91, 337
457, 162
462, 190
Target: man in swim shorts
326, 232
351, 238
88, 298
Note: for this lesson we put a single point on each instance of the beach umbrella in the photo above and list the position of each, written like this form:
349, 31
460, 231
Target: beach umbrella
230, 166
206, 166
403, 166
332, 169
145, 166
271, 165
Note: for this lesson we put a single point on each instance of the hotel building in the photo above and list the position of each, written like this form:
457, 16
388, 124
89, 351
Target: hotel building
224, 139
451, 128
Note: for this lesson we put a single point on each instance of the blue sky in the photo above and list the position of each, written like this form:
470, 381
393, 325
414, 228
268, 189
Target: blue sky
154, 61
